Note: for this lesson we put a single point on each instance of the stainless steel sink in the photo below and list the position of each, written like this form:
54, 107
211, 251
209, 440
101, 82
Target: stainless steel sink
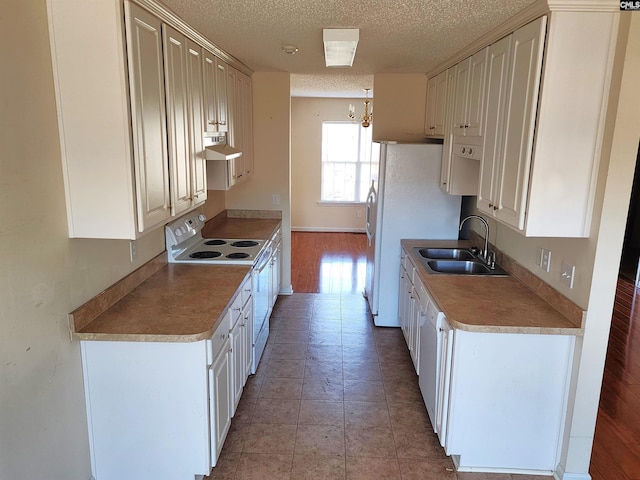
456, 261
445, 254
459, 267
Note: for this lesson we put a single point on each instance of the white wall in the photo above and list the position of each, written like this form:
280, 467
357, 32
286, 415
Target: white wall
307, 115
43, 274
272, 153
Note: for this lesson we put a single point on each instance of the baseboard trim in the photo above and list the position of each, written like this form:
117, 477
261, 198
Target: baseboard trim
328, 230
286, 291
560, 474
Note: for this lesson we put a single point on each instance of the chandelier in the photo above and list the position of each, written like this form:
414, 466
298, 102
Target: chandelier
367, 116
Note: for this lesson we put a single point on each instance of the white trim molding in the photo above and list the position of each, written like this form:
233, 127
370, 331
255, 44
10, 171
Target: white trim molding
328, 229
560, 474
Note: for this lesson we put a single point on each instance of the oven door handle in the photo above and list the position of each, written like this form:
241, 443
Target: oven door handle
263, 260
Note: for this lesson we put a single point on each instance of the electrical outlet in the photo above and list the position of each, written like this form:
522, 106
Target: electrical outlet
359, 213
568, 273
276, 199
539, 257
132, 250
546, 259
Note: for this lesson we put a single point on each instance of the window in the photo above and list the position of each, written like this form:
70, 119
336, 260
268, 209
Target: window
346, 162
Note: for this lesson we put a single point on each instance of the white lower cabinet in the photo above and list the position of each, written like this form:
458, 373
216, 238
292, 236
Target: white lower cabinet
506, 401
162, 410
412, 306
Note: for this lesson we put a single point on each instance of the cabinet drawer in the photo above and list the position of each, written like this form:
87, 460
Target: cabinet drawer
246, 291
215, 344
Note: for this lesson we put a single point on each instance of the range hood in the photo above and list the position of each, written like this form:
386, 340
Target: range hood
218, 149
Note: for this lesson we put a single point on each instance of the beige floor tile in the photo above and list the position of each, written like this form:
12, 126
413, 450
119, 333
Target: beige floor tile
366, 414
324, 369
417, 443
291, 336
363, 391
245, 408
370, 442
318, 467
272, 439
276, 411
284, 368
320, 440
353, 354
358, 339
403, 392
367, 468
409, 415
290, 323
236, 437
263, 467
394, 354
323, 389
289, 351
226, 467
315, 412
369, 371
328, 337
430, 469
321, 353
285, 388
398, 371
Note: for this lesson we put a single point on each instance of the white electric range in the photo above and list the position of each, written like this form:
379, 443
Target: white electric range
185, 244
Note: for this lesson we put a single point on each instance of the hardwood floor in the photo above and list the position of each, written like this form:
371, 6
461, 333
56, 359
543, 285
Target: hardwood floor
328, 262
616, 448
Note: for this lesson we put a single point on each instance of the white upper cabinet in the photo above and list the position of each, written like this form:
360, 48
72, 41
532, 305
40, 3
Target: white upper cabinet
132, 125
215, 93
468, 108
247, 125
436, 105
175, 71
497, 82
544, 123
195, 89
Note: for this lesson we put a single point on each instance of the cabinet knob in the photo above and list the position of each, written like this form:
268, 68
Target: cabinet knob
495, 207
211, 122
464, 150
491, 205
222, 123
236, 309
230, 350
444, 183
223, 336
470, 151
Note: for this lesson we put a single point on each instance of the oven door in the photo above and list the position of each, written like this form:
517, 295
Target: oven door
261, 276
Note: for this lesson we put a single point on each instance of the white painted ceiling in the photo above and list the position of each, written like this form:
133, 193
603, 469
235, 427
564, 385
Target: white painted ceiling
396, 36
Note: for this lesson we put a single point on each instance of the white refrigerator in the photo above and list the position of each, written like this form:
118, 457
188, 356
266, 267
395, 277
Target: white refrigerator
404, 202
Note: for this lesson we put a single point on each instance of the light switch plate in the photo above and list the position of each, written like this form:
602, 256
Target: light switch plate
568, 273
133, 253
539, 257
546, 260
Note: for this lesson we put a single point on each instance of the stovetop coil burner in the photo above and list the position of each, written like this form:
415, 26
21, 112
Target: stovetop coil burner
244, 243
205, 254
215, 242
238, 255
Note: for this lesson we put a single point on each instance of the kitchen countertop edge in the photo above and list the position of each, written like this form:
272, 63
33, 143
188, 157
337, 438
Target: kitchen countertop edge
434, 284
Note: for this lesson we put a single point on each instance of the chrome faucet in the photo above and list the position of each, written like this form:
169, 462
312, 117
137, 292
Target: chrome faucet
485, 251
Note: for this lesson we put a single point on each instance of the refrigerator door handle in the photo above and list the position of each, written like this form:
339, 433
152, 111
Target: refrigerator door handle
370, 199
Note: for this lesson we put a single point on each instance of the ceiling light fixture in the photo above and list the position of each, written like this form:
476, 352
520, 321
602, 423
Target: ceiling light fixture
340, 46
367, 116
290, 49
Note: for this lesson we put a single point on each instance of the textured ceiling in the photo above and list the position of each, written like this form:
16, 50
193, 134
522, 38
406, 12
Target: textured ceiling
396, 36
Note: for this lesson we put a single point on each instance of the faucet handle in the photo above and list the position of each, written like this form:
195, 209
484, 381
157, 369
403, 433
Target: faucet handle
491, 260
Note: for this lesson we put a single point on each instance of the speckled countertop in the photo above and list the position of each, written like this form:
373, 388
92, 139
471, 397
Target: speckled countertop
170, 302
491, 304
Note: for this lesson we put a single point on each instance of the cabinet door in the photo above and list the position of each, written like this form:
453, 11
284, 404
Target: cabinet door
417, 315
521, 105
459, 119
476, 94
220, 403
440, 107
146, 83
237, 364
430, 106
195, 80
447, 147
445, 333
247, 125
210, 75
247, 336
175, 71
490, 166
221, 96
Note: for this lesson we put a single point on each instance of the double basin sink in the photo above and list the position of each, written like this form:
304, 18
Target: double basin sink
456, 261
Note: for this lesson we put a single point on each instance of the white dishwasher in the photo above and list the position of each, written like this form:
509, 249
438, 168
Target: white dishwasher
430, 359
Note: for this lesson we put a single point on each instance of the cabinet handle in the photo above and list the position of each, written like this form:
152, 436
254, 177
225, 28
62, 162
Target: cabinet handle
236, 309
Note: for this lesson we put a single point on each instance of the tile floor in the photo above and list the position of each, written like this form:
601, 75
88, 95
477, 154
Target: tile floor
334, 398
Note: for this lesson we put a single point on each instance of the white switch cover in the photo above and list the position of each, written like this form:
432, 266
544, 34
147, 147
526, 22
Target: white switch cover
276, 199
568, 272
546, 259
132, 250
539, 256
